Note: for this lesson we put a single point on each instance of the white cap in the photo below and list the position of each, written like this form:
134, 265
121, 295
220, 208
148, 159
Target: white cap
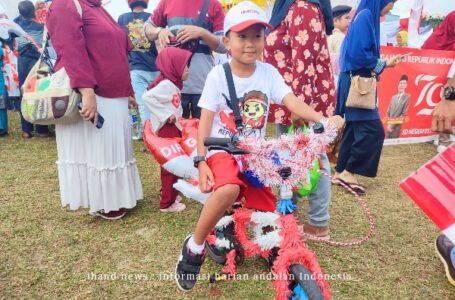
243, 15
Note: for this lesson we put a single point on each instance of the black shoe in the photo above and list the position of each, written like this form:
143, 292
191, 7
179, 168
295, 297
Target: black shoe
188, 267
444, 248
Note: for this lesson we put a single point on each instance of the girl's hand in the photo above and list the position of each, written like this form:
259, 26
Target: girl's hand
392, 62
172, 119
206, 179
89, 110
132, 102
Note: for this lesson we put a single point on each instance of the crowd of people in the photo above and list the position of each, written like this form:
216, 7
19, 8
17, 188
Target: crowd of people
305, 57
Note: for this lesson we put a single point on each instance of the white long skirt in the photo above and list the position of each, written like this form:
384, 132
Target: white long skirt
96, 167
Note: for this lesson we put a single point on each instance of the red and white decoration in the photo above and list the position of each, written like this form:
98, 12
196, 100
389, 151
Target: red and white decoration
432, 188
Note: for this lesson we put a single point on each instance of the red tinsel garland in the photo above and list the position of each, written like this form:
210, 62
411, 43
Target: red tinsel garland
292, 251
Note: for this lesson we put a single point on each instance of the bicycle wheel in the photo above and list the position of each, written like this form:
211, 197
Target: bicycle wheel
218, 256
303, 285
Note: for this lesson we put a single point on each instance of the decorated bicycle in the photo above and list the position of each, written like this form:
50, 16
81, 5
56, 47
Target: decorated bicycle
289, 162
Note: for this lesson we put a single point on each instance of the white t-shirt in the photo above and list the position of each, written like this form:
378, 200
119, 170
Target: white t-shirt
163, 101
254, 94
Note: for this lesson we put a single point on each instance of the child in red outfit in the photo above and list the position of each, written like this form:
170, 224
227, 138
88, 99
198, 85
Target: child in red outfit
163, 101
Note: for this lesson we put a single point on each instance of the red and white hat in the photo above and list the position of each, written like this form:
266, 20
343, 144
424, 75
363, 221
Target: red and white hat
243, 15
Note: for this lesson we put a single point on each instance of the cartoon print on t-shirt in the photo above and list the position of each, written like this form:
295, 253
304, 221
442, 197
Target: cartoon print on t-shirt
254, 110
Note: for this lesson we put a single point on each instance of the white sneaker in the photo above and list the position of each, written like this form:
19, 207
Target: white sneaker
175, 207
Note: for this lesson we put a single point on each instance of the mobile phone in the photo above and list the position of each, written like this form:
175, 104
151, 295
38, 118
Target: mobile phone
100, 122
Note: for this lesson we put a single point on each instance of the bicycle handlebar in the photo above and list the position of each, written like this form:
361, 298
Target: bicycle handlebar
229, 144
213, 141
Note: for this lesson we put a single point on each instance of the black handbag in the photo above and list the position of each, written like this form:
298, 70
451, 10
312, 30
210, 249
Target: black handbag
192, 45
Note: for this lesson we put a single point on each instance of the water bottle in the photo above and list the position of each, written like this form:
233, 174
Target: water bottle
135, 124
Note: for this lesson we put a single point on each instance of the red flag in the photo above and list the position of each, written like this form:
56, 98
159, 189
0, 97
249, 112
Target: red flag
432, 188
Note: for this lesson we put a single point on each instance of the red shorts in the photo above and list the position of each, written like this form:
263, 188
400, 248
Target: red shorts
226, 171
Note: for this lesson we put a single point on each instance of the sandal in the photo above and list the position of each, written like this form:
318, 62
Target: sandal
357, 188
27, 135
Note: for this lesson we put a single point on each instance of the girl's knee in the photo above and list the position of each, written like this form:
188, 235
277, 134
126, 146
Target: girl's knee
229, 191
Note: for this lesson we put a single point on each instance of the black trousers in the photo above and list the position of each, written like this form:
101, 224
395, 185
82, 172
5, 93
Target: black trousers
360, 148
190, 106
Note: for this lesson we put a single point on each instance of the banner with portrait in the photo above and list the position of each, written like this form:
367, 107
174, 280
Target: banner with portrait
408, 93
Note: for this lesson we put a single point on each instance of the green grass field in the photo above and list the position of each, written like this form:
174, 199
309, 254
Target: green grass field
48, 252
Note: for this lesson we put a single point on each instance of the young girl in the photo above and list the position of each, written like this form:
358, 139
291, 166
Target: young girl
163, 101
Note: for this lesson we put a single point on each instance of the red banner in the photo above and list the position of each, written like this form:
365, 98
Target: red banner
408, 93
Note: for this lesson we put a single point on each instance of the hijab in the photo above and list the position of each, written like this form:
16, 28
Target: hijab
443, 37
281, 9
375, 7
360, 48
171, 62
404, 38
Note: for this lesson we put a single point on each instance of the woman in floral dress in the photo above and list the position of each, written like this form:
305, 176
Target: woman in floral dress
297, 47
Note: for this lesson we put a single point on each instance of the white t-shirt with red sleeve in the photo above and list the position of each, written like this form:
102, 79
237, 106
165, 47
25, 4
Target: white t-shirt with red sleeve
254, 94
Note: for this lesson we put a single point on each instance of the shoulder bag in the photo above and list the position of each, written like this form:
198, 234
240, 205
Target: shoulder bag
48, 97
362, 93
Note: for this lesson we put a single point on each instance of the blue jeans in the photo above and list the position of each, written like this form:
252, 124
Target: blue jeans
140, 80
319, 200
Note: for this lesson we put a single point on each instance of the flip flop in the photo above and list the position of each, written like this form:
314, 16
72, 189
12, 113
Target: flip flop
359, 189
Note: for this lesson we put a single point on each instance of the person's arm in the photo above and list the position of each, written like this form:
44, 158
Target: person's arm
444, 113
326, 9
156, 100
362, 46
155, 27
191, 32
203, 131
389, 109
213, 39
65, 29
405, 107
304, 111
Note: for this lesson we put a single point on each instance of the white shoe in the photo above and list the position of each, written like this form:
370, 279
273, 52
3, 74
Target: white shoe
175, 207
